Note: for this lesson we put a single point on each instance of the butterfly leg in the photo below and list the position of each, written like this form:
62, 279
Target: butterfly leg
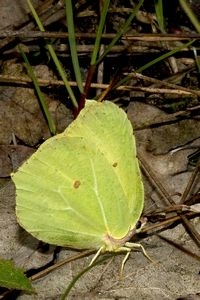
96, 256
138, 246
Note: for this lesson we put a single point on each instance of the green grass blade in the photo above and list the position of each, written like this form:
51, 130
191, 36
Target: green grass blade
93, 64
162, 57
62, 74
50, 121
159, 14
99, 32
95, 61
54, 57
121, 31
75, 279
194, 20
72, 44
153, 62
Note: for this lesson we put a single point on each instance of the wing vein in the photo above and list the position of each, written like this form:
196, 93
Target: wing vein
96, 190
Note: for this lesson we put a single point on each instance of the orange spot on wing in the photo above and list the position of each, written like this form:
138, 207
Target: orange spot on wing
76, 184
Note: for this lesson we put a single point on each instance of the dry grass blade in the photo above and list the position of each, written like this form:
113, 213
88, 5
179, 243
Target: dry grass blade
60, 263
168, 199
177, 246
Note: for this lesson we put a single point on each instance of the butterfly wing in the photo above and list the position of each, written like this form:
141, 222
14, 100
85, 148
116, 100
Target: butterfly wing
107, 127
84, 183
